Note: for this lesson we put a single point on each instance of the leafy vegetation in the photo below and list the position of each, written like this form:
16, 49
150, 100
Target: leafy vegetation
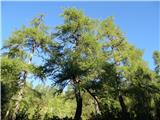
96, 73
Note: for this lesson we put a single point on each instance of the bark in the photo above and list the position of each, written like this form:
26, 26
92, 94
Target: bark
96, 102
7, 113
79, 104
20, 96
158, 110
125, 113
22, 86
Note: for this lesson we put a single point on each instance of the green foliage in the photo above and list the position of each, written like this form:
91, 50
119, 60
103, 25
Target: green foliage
28, 40
10, 70
91, 64
156, 57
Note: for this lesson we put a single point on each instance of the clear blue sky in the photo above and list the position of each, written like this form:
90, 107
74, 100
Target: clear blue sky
139, 20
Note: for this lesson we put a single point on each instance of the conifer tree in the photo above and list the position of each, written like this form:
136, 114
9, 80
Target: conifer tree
23, 45
78, 56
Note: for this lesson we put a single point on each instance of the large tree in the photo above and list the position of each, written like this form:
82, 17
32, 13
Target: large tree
124, 71
78, 56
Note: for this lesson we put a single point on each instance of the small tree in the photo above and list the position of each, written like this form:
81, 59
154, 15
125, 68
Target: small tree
23, 45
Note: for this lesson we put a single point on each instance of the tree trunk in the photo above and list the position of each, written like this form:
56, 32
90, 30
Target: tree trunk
20, 95
22, 86
125, 114
79, 104
158, 110
96, 102
97, 111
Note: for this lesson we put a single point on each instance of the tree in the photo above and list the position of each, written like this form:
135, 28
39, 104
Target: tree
23, 45
124, 68
78, 55
10, 70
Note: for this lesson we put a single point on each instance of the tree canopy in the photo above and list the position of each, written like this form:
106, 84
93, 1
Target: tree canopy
95, 72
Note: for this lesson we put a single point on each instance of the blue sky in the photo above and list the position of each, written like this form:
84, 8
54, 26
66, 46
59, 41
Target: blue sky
138, 20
